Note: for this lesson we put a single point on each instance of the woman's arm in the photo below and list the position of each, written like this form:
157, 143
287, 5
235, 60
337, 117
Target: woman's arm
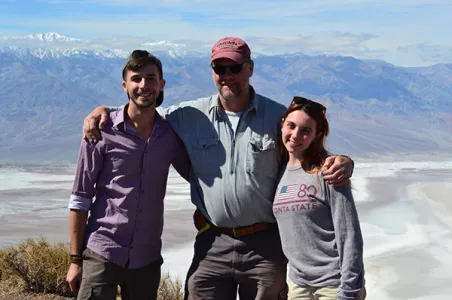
349, 241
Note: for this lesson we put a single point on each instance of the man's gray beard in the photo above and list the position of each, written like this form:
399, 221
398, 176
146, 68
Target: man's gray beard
229, 97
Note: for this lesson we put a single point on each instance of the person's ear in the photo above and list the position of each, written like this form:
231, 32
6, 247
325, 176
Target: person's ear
251, 66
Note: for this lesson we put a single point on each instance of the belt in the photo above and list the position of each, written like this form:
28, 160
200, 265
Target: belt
202, 224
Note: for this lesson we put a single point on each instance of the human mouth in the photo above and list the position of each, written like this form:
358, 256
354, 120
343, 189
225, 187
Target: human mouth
227, 84
293, 143
144, 95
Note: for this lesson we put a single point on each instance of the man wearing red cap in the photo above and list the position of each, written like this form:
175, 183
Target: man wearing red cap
232, 141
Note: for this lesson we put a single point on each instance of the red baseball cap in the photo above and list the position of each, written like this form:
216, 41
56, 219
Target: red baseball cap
233, 48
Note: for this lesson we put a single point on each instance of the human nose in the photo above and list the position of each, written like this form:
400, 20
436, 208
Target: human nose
296, 134
227, 73
144, 82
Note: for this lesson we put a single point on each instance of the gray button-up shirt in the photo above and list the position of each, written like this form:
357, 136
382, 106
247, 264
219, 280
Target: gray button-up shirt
234, 176
127, 176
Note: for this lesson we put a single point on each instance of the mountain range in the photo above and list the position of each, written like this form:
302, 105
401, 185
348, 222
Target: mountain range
48, 83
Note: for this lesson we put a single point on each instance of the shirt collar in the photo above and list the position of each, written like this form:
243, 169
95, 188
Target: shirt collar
254, 105
118, 118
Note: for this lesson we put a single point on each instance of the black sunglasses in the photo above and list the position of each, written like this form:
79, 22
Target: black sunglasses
309, 103
234, 69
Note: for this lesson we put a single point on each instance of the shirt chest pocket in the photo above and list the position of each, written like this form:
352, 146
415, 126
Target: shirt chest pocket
262, 156
205, 155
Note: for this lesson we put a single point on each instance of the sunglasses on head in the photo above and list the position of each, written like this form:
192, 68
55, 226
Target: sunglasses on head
220, 69
309, 103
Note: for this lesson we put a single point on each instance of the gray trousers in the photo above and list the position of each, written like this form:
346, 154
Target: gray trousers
253, 266
100, 280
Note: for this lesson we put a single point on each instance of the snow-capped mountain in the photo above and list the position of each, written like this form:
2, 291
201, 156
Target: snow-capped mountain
55, 45
45, 92
51, 37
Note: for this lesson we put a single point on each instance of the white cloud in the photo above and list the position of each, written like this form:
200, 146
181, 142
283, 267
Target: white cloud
343, 27
429, 54
331, 43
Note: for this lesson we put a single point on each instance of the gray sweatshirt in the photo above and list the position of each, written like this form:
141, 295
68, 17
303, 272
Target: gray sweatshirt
320, 232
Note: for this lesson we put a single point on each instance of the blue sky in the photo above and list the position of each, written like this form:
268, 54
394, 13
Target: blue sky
402, 32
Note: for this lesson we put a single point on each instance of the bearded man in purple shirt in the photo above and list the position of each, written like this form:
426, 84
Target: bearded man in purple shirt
126, 172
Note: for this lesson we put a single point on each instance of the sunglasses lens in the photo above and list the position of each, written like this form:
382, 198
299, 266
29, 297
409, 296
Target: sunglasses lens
300, 100
309, 103
220, 70
235, 69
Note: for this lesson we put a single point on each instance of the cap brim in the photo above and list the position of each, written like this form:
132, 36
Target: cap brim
159, 99
234, 56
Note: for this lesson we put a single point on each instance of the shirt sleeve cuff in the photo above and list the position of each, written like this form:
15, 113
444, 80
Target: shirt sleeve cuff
79, 203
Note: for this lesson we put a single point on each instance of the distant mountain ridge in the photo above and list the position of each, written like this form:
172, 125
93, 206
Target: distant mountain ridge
58, 45
51, 36
45, 91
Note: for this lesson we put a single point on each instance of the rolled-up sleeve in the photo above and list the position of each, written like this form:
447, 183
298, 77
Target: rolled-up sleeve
79, 203
90, 161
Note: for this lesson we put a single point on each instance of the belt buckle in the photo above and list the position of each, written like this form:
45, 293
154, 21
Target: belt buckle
235, 232
238, 232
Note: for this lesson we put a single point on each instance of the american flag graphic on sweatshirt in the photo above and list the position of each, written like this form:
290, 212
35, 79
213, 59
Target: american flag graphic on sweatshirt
287, 192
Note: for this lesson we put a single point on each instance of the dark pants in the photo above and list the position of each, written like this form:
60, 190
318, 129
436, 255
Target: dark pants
253, 266
101, 278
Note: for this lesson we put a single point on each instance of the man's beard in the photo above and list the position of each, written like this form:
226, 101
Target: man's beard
229, 95
146, 104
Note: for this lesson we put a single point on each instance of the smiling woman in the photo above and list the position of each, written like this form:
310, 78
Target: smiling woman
319, 226
304, 130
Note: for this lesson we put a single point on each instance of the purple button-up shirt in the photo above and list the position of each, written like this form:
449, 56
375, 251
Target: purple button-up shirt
127, 176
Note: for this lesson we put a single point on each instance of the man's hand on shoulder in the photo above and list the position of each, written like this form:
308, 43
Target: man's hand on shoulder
93, 122
338, 170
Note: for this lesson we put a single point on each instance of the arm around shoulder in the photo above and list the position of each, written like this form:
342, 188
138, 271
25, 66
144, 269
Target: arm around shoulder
337, 170
96, 120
